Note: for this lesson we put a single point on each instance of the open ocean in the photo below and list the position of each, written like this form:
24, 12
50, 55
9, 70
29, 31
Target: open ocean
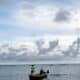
57, 71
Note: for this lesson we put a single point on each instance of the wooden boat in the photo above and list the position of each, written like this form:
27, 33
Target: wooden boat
37, 76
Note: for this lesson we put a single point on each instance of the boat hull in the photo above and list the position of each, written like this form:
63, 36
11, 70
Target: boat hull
37, 76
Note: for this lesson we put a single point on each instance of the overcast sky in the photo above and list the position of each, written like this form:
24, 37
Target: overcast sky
53, 21
22, 18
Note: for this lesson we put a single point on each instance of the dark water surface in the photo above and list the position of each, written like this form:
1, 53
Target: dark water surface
57, 71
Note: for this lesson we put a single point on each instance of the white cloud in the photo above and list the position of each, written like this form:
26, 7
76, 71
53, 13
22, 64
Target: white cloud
28, 49
64, 41
42, 16
37, 17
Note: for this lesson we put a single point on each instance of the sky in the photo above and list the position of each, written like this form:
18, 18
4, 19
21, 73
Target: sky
41, 28
26, 18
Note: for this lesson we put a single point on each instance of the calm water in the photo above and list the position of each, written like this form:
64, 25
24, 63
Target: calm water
57, 72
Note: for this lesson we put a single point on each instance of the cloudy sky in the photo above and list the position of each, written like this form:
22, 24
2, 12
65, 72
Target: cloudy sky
25, 18
47, 21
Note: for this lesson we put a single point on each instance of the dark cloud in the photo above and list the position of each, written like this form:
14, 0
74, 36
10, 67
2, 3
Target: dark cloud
8, 53
62, 16
52, 45
74, 49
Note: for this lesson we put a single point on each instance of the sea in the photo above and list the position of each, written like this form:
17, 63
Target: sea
57, 71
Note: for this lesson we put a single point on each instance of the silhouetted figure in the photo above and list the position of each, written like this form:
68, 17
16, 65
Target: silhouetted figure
47, 71
42, 71
32, 69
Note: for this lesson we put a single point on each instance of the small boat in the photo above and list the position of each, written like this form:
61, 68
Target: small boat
37, 76
40, 76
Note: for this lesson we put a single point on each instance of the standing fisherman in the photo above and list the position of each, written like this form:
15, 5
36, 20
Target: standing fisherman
32, 69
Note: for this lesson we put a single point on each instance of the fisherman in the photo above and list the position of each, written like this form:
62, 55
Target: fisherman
48, 71
42, 71
32, 69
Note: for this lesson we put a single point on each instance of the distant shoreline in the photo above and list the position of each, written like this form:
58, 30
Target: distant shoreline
39, 62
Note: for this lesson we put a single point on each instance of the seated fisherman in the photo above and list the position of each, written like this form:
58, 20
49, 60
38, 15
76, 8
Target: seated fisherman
42, 71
